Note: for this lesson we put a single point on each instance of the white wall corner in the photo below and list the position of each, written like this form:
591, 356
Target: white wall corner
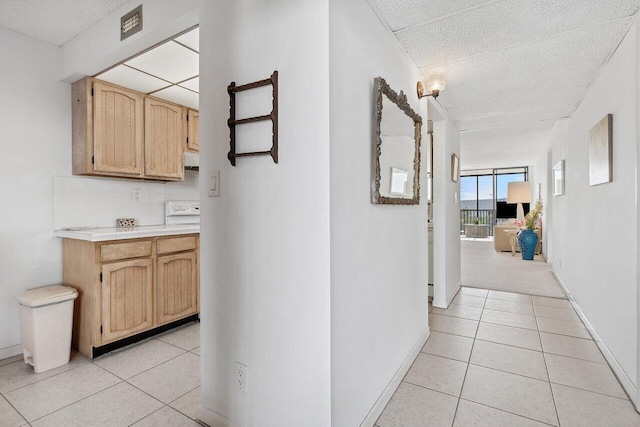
637, 99
386, 395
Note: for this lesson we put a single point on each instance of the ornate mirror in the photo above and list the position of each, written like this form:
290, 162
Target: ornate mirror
396, 147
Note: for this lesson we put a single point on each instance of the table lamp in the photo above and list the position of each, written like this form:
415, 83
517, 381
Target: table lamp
519, 192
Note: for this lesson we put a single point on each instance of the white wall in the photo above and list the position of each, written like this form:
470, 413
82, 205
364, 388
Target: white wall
36, 153
592, 230
36, 144
378, 252
80, 201
265, 275
446, 208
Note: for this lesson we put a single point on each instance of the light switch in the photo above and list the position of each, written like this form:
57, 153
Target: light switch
214, 184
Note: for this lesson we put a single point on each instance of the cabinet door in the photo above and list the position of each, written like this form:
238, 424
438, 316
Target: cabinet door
163, 139
177, 287
127, 299
117, 130
193, 131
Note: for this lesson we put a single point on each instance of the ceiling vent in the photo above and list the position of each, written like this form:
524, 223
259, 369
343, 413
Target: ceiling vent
131, 23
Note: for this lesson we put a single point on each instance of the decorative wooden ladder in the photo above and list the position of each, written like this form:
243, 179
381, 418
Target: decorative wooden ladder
232, 89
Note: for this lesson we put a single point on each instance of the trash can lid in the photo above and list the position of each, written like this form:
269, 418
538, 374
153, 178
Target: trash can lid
47, 295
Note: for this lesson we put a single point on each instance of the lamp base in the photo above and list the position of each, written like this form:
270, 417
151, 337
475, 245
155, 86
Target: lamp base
520, 213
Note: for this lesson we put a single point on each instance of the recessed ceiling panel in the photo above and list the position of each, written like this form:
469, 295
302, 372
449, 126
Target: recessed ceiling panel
169, 61
191, 39
132, 79
193, 84
180, 96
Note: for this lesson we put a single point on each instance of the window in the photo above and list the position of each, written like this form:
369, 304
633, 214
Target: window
480, 190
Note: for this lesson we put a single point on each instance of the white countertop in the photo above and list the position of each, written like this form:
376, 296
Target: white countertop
112, 233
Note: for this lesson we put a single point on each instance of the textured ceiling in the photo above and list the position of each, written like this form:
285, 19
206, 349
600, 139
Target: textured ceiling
512, 67
54, 21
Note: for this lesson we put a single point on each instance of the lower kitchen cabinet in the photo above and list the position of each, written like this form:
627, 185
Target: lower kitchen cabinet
177, 287
127, 298
127, 287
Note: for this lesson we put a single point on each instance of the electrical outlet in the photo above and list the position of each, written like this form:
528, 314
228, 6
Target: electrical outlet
242, 377
136, 194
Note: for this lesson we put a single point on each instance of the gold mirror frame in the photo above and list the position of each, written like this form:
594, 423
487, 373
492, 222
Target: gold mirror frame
380, 90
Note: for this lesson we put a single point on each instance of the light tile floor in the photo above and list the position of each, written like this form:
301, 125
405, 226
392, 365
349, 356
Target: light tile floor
152, 383
502, 359
493, 359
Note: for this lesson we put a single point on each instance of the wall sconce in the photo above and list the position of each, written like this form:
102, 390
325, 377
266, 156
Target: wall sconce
434, 86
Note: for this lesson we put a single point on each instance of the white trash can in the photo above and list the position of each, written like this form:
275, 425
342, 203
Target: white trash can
46, 320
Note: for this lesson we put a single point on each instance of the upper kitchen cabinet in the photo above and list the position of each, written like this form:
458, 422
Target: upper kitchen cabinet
163, 139
107, 130
193, 133
118, 132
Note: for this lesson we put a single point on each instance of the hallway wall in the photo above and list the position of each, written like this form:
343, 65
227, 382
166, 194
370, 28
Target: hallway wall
378, 252
592, 230
446, 208
265, 272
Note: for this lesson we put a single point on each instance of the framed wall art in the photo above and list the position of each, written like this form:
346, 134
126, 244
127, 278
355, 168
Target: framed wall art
600, 152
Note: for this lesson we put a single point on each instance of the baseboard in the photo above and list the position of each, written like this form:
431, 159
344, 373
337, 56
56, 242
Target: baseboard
211, 418
453, 293
391, 387
8, 352
624, 379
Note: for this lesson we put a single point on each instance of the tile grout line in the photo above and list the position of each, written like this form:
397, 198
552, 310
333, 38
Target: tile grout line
464, 379
15, 409
626, 399
76, 401
512, 326
432, 389
164, 405
508, 412
153, 367
42, 379
546, 367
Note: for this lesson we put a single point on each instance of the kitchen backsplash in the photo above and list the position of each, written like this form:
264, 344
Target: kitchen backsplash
97, 202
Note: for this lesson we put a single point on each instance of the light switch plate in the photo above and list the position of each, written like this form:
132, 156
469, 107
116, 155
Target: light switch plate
214, 184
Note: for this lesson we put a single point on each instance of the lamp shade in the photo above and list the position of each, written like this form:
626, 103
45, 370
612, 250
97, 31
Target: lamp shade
436, 82
518, 192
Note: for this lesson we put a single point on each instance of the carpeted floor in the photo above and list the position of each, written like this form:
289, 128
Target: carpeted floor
483, 267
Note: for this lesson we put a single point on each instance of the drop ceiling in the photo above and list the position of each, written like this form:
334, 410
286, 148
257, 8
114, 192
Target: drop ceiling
512, 67
54, 21
168, 71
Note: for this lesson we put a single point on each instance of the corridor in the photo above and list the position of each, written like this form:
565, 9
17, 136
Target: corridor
506, 359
